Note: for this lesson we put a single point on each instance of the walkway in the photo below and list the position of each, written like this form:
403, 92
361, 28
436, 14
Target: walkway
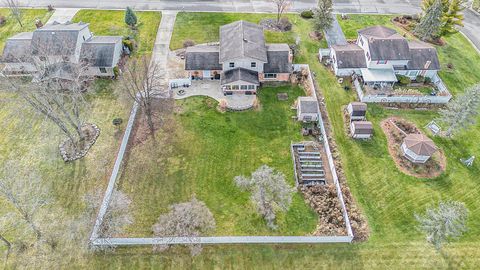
334, 35
162, 43
63, 15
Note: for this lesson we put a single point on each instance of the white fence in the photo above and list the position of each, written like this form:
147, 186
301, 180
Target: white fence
443, 98
298, 67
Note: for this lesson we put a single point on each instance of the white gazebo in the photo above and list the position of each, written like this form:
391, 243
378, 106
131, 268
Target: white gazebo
418, 148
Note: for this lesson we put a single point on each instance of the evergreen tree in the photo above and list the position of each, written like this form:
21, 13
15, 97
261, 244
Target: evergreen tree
323, 17
130, 17
431, 23
461, 112
451, 14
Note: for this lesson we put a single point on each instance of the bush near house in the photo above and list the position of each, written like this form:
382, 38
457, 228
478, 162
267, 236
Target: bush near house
307, 14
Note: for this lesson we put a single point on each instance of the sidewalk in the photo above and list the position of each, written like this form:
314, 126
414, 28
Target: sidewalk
63, 15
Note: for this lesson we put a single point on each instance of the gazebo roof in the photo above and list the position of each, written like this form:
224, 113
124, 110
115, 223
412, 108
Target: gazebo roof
420, 144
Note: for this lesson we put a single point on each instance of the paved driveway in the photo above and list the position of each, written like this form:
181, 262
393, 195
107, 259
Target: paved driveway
63, 15
334, 35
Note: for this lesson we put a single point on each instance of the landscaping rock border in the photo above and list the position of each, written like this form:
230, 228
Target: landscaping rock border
82, 153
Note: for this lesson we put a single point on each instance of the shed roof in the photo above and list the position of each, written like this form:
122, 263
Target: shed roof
100, 51
278, 59
358, 106
385, 43
349, 56
240, 74
308, 105
242, 39
423, 56
362, 127
420, 144
202, 57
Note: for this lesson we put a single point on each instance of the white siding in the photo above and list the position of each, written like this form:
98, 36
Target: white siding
244, 63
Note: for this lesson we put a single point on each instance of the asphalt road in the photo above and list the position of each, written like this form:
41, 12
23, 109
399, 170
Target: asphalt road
471, 29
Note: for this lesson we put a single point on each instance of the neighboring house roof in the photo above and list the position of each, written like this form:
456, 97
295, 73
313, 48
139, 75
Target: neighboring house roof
308, 105
385, 43
420, 144
99, 51
423, 56
57, 39
18, 48
202, 57
240, 74
349, 56
359, 106
362, 127
242, 39
278, 57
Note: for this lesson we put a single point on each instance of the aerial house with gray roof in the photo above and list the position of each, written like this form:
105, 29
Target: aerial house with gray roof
241, 61
69, 42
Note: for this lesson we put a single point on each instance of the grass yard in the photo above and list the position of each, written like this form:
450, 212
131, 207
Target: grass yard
110, 22
202, 150
12, 27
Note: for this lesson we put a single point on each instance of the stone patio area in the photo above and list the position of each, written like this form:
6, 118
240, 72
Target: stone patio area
211, 88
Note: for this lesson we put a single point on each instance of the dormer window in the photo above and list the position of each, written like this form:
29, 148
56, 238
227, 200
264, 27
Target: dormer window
427, 64
231, 64
368, 56
253, 64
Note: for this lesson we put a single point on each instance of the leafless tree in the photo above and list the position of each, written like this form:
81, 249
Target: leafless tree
118, 214
142, 81
15, 10
189, 219
282, 6
56, 89
5, 227
270, 192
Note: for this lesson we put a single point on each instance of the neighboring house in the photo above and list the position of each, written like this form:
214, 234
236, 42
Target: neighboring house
53, 43
241, 61
380, 53
307, 109
418, 148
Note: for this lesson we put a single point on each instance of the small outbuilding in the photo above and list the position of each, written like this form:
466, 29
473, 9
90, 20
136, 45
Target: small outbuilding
307, 109
418, 148
361, 129
357, 111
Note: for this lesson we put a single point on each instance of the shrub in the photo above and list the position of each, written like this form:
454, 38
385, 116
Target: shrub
117, 121
427, 80
420, 79
403, 80
188, 43
129, 43
307, 14
130, 17
50, 8
285, 24
3, 20
346, 88
116, 72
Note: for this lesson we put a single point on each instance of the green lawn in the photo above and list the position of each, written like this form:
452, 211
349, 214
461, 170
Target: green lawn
12, 27
201, 153
109, 22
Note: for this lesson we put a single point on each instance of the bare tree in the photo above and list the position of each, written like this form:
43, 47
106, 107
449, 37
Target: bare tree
189, 219
270, 192
5, 227
118, 214
446, 222
461, 112
142, 81
323, 17
56, 89
15, 10
282, 6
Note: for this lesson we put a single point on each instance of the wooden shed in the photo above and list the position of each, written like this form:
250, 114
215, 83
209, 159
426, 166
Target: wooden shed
418, 148
361, 129
357, 111
307, 109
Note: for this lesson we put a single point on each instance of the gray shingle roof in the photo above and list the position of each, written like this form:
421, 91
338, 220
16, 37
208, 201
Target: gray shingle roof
240, 74
349, 56
242, 39
56, 39
362, 127
421, 53
18, 48
308, 105
202, 57
385, 43
278, 59
420, 144
359, 106
100, 51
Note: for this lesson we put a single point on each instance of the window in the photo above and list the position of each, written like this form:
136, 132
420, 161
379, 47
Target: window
250, 87
270, 75
427, 64
243, 87
228, 87
361, 41
253, 64
413, 73
381, 62
234, 87
83, 38
103, 70
368, 56
231, 64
